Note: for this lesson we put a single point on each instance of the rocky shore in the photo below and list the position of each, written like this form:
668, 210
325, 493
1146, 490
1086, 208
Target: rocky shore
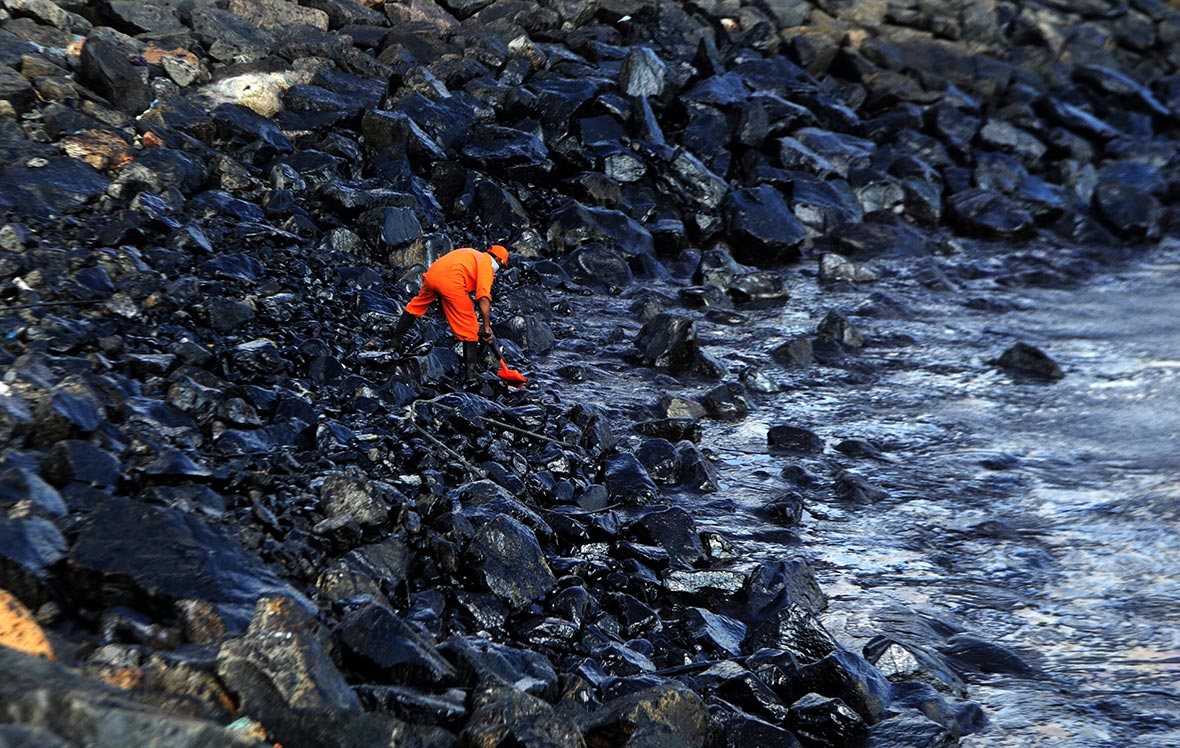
232, 515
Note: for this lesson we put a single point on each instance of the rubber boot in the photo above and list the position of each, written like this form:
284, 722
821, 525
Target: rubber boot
470, 360
399, 332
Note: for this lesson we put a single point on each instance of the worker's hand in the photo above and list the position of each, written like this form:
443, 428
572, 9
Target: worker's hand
485, 336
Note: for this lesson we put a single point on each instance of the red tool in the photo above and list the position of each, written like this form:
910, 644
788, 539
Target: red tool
512, 376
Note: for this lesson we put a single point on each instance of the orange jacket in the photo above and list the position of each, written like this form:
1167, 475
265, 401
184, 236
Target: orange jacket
467, 269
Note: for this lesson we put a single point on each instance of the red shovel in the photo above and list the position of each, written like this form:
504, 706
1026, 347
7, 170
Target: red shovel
512, 376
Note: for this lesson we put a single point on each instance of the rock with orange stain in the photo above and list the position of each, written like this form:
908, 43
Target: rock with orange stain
151, 140
100, 149
182, 66
19, 630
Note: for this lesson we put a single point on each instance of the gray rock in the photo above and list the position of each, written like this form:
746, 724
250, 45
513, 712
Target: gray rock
106, 67
354, 496
15, 90
835, 267
904, 661
643, 73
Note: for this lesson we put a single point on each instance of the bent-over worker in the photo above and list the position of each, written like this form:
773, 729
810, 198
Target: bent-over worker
453, 278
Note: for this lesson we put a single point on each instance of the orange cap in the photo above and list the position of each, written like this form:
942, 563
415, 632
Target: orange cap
500, 253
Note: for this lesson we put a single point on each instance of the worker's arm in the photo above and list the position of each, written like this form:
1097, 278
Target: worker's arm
485, 313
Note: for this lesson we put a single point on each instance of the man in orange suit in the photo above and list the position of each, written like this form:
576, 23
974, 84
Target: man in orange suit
454, 278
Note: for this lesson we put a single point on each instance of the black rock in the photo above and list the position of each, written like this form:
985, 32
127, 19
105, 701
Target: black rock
729, 401
155, 171
712, 632
667, 341
794, 439
16, 90
1129, 209
479, 659
260, 357
776, 583
627, 481
856, 488
184, 559
79, 461
761, 225
837, 327
21, 483
696, 471
598, 266
345, 12
849, 677
236, 122
1005, 136
911, 729
672, 429
52, 695
659, 458
508, 150
795, 352
643, 73
381, 641
983, 211
740, 730
786, 509
59, 186
399, 133
354, 496
27, 548
792, 628
820, 722
505, 555
1118, 84
819, 204
574, 224
674, 530
1028, 360
282, 673
970, 653
504, 715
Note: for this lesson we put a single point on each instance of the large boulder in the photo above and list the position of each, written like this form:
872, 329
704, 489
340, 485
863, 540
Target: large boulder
185, 558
